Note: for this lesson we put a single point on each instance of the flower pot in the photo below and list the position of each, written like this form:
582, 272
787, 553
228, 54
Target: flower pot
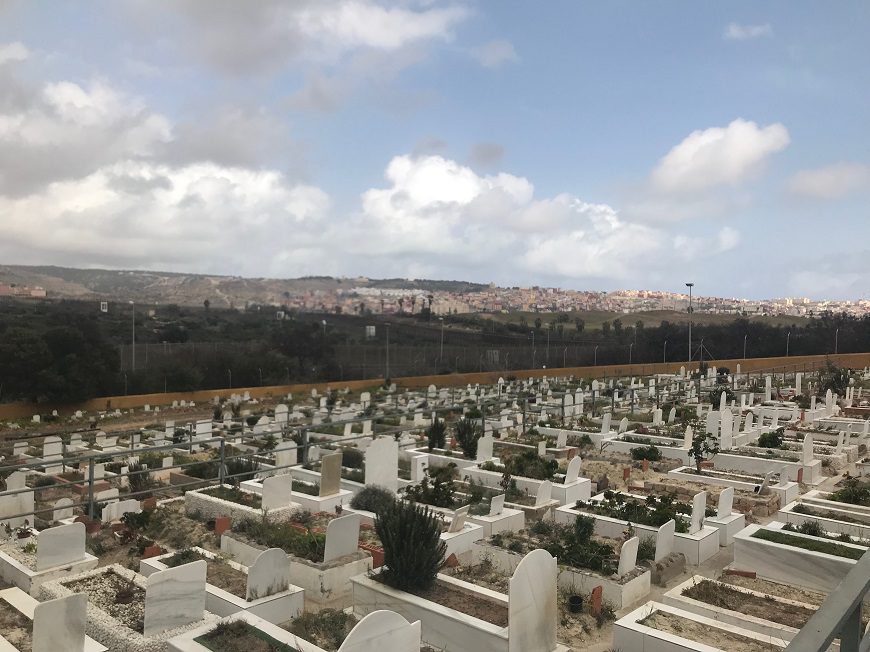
575, 604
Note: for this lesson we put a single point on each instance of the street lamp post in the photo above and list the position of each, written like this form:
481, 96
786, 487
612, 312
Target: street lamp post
744, 345
230, 377
630, 347
690, 286
787, 339
596, 356
836, 340
133, 365
441, 352
665, 352
548, 344
387, 373
532, 333
564, 357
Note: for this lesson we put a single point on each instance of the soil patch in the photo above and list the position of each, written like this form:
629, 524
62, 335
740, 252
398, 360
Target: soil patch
453, 598
16, 627
719, 595
102, 590
701, 633
218, 572
239, 636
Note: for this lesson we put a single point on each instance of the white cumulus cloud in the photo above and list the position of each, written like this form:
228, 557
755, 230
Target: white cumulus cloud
495, 53
832, 181
738, 32
718, 156
15, 51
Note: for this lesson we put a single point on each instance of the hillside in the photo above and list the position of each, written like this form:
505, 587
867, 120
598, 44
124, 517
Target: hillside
193, 289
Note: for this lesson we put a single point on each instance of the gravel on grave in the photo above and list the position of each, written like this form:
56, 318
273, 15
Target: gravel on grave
101, 590
15, 549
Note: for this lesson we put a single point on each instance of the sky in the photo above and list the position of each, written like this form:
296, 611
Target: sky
568, 143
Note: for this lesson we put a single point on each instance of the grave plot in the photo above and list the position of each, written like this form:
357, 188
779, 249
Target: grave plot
28, 562
31, 626
662, 627
126, 611
823, 511
763, 613
771, 482
586, 560
264, 589
615, 513
790, 556
339, 632
275, 502
315, 490
319, 563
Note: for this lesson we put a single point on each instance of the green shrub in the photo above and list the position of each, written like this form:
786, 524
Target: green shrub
436, 488
650, 453
373, 499
852, 492
307, 545
138, 478
352, 458
467, 434
413, 549
646, 548
826, 547
770, 439
436, 434
529, 464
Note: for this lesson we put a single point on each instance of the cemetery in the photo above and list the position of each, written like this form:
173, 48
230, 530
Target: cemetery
694, 510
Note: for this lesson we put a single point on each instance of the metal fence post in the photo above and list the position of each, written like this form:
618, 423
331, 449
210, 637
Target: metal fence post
91, 506
304, 445
222, 469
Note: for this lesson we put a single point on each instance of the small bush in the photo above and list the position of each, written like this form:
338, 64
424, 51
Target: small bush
436, 488
413, 549
352, 458
436, 434
770, 440
650, 453
646, 548
373, 499
467, 434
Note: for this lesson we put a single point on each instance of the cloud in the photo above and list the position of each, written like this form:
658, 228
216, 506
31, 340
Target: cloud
718, 156
486, 154
495, 53
832, 181
14, 51
141, 214
738, 32
268, 34
64, 130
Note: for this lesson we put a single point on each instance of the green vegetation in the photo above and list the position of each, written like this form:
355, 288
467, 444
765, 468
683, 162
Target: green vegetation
307, 545
436, 488
413, 549
327, 628
853, 492
373, 499
650, 453
826, 547
436, 433
654, 512
527, 464
468, 432
182, 557
239, 636
235, 495
771, 439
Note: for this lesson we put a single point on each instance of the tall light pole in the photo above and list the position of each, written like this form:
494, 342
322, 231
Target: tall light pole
564, 357
133, 366
787, 338
690, 286
630, 346
387, 373
548, 344
665, 352
441, 352
596, 356
744, 345
836, 340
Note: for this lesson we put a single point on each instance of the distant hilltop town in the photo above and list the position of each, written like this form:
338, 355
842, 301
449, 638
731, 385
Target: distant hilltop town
23, 291
363, 296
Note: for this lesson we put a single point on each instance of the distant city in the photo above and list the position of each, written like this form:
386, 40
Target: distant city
353, 296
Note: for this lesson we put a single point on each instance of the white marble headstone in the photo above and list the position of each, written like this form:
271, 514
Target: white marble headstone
628, 556
665, 540
382, 463
496, 505
484, 448
726, 503
572, 473
699, 505
807, 450
60, 545
59, 625
383, 630
545, 491
277, 492
458, 521
532, 606
175, 597
342, 537
63, 508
